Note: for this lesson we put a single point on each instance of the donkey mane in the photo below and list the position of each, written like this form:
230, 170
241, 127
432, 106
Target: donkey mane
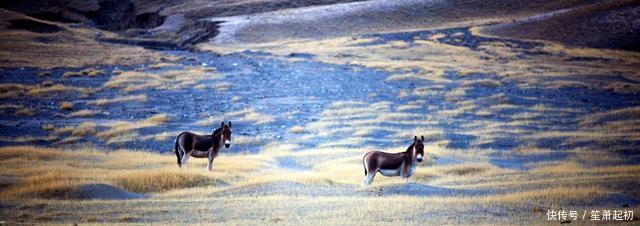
216, 132
216, 142
410, 148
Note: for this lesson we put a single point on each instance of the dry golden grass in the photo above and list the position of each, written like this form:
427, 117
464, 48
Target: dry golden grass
104, 102
6, 108
66, 106
76, 132
11, 90
56, 89
72, 74
55, 171
84, 113
91, 72
296, 129
162, 65
18, 48
123, 131
176, 78
211, 120
159, 180
335, 169
250, 115
157, 119
24, 112
624, 113
222, 86
111, 132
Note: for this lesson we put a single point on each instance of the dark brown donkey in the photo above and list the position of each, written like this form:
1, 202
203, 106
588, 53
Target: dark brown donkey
206, 146
401, 164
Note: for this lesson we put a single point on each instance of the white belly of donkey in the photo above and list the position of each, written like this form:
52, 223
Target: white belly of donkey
390, 172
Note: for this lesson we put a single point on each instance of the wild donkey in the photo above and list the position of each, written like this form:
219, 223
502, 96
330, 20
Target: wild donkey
398, 164
207, 146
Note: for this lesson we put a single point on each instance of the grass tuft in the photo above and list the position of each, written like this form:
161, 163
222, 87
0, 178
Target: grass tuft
66, 106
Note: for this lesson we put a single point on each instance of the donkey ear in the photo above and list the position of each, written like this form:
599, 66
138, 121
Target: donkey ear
415, 138
222, 124
422, 137
229, 124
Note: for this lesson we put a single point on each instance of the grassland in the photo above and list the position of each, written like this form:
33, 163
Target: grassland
287, 181
37, 180
67, 46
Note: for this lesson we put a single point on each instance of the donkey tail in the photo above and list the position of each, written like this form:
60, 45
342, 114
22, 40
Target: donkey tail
364, 166
178, 152
365, 171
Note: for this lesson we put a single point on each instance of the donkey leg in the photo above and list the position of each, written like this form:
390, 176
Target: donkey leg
210, 165
369, 178
185, 157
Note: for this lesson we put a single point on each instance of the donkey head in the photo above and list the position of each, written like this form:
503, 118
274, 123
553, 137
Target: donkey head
418, 147
226, 134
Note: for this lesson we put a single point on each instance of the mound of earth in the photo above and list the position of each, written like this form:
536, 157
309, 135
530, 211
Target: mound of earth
418, 189
101, 191
614, 25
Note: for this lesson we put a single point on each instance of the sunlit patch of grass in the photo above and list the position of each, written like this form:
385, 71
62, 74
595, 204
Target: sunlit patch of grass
245, 115
162, 65
250, 140
159, 180
72, 46
250, 115
560, 173
466, 169
72, 74
90, 72
531, 150
296, 129
157, 119
490, 83
24, 112
211, 120
599, 117
81, 130
6, 108
44, 90
66, 106
406, 107
52, 172
163, 136
178, 78
104, 102
84, 113
567, 84
222, 86
56, 89
623, 87
123, 131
